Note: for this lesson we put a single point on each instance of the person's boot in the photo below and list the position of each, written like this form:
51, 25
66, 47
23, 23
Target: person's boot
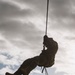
8, 73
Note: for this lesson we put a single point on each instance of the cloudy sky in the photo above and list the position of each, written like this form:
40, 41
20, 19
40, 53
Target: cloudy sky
22, 27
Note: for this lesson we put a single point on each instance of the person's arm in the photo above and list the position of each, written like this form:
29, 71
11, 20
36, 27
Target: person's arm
46, 40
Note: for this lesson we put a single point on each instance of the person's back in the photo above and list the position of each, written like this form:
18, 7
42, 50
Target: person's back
47, 56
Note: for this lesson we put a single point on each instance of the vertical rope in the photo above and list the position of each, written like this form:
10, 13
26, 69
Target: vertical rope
46, 20
46, 33
46, 73
47, 16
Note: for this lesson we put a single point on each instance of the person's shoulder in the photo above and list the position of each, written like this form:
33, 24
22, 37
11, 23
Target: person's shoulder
56, 42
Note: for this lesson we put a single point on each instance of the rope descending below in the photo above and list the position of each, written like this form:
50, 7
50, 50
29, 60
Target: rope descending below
44, 68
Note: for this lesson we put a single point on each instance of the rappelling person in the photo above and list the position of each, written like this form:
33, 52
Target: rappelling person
45, 59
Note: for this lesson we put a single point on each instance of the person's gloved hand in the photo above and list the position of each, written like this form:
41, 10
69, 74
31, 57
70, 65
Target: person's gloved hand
45, 37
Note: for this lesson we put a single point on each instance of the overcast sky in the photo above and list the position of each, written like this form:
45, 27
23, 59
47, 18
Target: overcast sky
22, 27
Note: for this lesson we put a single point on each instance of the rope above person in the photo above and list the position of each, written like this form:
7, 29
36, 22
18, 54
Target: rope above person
46, 21
47, 16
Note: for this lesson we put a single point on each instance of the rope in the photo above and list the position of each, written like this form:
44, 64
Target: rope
47, 17
44, 68
46, 21
46, 73
46, 34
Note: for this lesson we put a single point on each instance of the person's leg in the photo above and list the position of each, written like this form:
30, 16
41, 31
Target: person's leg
8, 73
18, 72
29, 65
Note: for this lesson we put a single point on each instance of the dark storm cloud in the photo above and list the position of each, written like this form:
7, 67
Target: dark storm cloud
12, 29
2, 44
62, 14
57, 8
8, 10
15, 29
38, 4
60, 8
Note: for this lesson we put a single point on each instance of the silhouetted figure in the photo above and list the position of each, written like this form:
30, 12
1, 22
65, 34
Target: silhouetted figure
46, 58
